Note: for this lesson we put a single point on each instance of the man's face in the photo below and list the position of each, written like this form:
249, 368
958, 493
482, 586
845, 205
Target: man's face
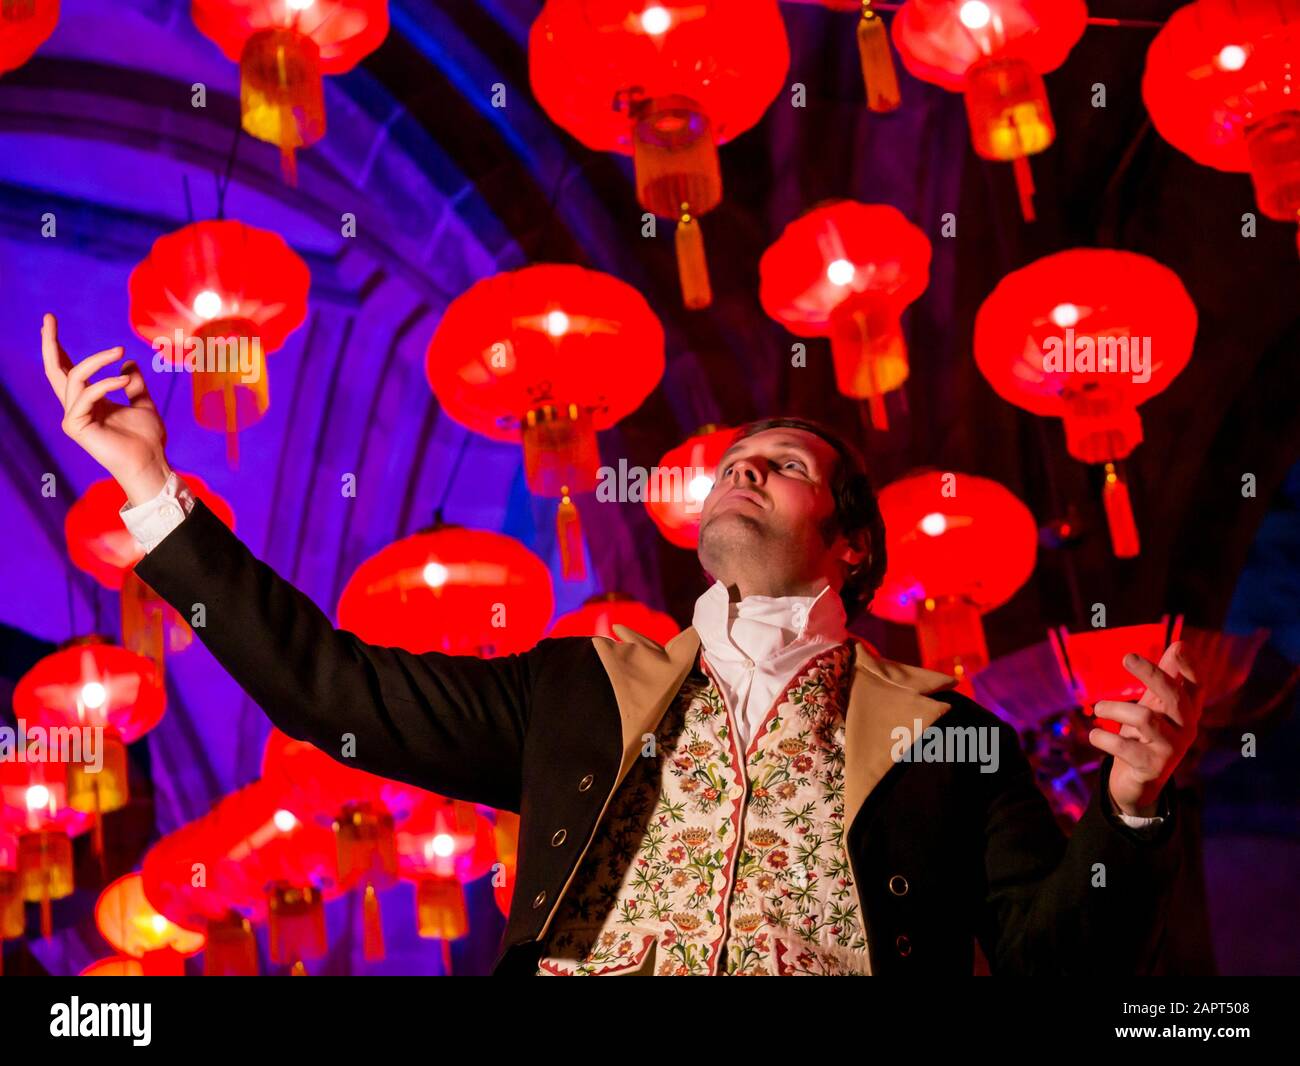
770, 501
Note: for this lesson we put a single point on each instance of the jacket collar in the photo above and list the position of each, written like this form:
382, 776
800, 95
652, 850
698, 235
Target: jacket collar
885, 696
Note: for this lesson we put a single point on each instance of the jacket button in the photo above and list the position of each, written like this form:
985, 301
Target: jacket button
904, 946
558, 839
539, 899
585, 783
898, 885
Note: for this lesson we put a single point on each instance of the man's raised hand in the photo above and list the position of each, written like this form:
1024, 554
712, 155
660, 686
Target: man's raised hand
127, 439
1155, 733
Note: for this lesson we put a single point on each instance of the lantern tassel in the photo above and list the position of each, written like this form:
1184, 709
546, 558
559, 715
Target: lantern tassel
878, 73
288, 161
879, 413
568, 530
232, 434
1119, 514
876, 401
692, 267
47, 916
299, 970
372, 926
446, 958
1025, 187
97, 836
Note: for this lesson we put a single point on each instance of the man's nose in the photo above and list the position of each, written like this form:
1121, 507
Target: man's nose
747, 470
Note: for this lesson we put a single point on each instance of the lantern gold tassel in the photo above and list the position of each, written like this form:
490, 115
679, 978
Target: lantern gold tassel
372, 926
692, 267
568, 529
1119, 514
1025, 187
878, 73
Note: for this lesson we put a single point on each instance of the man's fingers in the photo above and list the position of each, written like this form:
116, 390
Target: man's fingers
1133, 752
1158, 683
57, 363
1139, 722
80, 374
79, 412
1183, 665
136, 390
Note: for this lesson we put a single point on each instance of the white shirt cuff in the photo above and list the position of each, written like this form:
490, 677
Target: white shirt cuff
1136, 821
152, 520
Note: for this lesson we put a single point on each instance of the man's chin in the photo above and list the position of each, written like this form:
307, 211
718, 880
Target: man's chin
728, 532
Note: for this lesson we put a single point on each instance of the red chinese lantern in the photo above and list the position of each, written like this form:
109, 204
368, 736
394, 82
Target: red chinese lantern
665, 82
34, 809
506, 831
1086, 336
453, 590
1092, 662
114, 966
283, 48
1219, 86
548, 355
441, 846
599, 614
131, 925
847, 270
12, 919
178, 878
689, 469
995, 52
25, 25
213, 299
878, 74
360, 809
279, 868
100, 544
91, 683
958, 546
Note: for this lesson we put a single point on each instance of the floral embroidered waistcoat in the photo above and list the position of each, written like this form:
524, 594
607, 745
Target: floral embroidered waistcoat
714, 861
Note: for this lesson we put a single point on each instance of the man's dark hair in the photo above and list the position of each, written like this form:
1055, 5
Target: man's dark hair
856, 509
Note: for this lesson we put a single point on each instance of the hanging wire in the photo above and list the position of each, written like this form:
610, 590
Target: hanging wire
223, 183
451, 478
72, 612
1093, 20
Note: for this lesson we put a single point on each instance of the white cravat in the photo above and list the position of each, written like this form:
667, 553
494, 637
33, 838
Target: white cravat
756, 646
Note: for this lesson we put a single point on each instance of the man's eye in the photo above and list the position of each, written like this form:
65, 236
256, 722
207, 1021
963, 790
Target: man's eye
794, 463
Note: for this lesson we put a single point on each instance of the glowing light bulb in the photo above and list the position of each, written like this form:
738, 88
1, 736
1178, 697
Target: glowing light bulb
974, 14
699, 487
285, 821
159, 924
1232, 57
934, 524
655, 20
435, 575
557, 323
444, 846
93, 695
207, 305
840, 272
38, 798
1065, 315
300, 5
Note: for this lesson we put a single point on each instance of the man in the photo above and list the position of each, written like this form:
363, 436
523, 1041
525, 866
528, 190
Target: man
743, 801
